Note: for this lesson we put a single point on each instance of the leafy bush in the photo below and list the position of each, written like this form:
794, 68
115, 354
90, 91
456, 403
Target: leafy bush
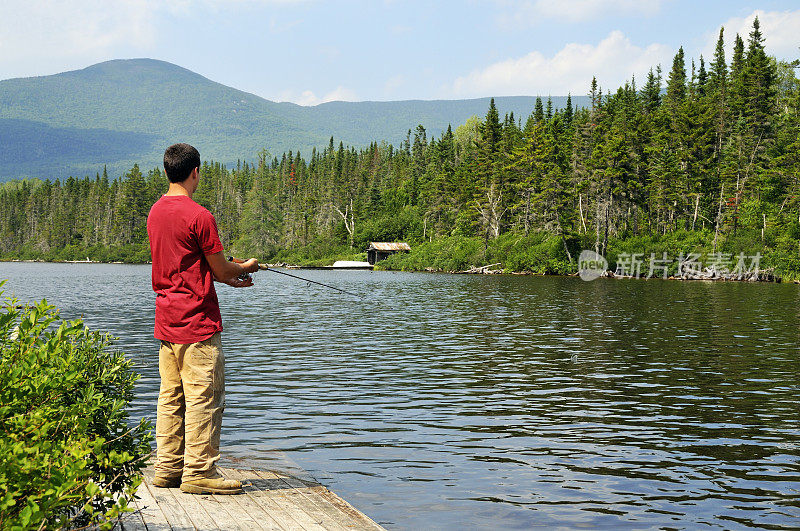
68, 458
539, 252
402, 225
673, 244
317, 253
138, 253
454, 253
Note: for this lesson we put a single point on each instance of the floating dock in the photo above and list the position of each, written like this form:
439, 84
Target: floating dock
271, 500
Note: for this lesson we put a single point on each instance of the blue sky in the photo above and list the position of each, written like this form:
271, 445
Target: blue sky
310, 51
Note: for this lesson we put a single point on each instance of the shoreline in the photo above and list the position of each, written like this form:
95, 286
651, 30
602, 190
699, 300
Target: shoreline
762, 276
39, 261
608, 274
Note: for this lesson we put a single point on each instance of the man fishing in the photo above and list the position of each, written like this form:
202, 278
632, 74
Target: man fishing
187, 257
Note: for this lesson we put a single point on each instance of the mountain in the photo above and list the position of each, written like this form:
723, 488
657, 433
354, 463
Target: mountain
123, 112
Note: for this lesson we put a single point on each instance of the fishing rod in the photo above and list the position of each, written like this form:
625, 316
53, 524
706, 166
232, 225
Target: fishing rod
263, 267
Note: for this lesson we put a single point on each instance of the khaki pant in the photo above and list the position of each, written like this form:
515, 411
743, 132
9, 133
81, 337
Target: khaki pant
190, 405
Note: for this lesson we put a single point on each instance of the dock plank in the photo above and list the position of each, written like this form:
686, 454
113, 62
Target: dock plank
338, 509
153, 516
132, 521
195, 510
228, 515
280, 514
334, 506
245, 512
291, 500
173, 511
272, 501
358, 519
327, 514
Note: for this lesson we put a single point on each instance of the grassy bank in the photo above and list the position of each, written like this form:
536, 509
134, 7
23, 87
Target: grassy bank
316, 254
535, 253
129, 254
544, 253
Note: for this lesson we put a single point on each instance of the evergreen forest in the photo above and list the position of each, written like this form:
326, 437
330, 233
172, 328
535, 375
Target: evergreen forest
703, 157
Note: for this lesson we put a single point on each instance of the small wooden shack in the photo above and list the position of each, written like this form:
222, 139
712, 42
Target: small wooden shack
378, 251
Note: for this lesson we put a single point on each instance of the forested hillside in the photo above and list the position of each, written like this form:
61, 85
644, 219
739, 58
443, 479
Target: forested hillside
122, 112
706, 160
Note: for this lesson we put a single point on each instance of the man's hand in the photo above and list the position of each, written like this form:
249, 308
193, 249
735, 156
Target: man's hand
231, 273
238, 282
251, 266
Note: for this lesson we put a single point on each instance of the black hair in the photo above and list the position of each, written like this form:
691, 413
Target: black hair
179, 161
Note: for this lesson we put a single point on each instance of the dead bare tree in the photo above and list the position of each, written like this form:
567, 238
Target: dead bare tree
348, 218
490, 211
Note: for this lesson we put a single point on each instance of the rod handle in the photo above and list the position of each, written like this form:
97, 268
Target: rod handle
262, 267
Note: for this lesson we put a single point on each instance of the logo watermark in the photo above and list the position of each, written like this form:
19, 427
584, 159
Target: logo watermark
592, 265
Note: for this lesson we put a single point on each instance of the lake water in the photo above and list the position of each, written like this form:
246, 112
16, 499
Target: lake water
446, 401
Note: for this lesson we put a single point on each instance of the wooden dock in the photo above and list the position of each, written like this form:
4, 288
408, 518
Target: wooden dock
271, 500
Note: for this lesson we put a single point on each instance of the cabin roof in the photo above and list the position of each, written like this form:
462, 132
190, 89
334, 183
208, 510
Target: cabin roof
388, 246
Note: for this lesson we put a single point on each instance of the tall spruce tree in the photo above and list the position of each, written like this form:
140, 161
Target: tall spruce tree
759, 73
676, 82
538, 112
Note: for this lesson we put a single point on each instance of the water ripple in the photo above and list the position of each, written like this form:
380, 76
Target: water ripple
496, 402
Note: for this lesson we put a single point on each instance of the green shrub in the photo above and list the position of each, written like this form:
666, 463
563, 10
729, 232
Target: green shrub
538, 252
453, 253
317, 253
68, 458
131, 253
403, 225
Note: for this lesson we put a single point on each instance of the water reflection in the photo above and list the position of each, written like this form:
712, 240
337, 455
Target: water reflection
458, 401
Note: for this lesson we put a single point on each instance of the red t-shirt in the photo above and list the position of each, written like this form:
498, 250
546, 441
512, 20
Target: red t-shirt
181, 233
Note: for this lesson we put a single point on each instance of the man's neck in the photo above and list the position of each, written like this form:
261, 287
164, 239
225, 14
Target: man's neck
179, 189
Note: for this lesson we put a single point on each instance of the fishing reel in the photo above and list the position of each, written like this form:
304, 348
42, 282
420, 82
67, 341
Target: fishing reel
244, 276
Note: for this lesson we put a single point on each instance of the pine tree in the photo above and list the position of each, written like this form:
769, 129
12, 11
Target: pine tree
419, 163
538, 112
568, 111
490, 198
737, 84
595, 93
491, 129
702, 78
676, 83
759, 73
651, 92
718, 74
718, 94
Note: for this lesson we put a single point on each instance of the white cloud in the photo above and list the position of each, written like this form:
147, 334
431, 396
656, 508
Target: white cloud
532, 11
329, 52
217, 5
394, 83
308, 98
401, 30
49, 36
58, 33
779, 28
613, 61
280, 25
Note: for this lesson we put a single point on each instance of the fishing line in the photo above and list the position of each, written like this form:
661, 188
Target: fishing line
308, 282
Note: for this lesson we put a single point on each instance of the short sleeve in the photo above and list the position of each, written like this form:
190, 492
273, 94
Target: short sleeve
205, 228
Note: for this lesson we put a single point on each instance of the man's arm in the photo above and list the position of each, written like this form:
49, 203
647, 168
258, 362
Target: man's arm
229, 272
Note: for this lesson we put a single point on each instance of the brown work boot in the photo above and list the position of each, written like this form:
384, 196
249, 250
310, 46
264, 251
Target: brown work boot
214, 485
166, 483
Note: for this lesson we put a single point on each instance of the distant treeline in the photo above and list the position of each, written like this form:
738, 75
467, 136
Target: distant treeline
715, 154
